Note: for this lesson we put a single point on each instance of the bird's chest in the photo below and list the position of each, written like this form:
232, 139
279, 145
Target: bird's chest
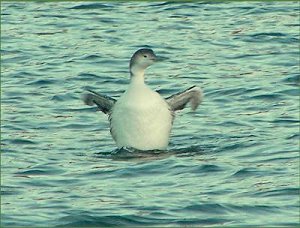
140, 115
141, 110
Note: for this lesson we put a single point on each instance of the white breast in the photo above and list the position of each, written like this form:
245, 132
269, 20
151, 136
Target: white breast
141, 119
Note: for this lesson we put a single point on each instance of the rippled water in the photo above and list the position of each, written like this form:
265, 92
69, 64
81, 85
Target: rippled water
235, 161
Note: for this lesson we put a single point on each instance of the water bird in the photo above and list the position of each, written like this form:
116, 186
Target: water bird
141, 118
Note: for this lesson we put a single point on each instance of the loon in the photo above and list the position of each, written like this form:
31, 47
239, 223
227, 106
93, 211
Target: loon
141, 118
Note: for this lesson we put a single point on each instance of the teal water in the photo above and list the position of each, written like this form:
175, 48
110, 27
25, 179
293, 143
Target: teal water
235, 161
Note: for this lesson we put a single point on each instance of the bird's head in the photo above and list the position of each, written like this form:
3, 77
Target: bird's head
142, 59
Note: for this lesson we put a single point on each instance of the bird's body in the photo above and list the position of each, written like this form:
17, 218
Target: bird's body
141, 118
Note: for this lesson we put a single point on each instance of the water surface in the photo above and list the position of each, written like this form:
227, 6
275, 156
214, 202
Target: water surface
235, 161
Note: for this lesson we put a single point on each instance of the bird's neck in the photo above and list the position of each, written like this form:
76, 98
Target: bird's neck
137, 75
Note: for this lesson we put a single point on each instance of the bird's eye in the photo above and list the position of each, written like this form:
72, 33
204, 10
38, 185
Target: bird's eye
145, 56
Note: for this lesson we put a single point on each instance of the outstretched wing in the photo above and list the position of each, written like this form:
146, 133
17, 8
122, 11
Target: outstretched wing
179, 100
104, 103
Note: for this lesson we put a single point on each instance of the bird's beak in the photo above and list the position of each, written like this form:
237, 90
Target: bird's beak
160, 58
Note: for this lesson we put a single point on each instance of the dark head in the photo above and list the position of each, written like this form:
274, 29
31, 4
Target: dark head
142, 58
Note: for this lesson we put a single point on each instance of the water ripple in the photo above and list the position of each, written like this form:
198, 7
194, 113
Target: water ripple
233, 162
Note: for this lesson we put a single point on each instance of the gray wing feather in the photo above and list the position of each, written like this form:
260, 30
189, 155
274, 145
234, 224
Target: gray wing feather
104, 103
179, 100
